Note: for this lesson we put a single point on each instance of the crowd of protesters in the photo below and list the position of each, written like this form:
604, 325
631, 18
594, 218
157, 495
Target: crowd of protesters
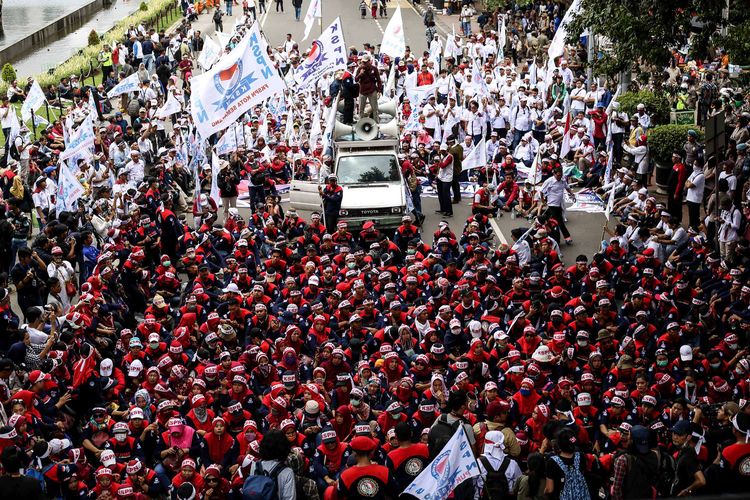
155, 344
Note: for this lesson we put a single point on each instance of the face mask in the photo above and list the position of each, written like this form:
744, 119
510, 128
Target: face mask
351, 265
120, 437
662, 362
583, 343
396, 416
715, 365
389, 295
525, 392
689, 385
154, 345
167, 263
265, 368
732, 346
355, 402
200, 412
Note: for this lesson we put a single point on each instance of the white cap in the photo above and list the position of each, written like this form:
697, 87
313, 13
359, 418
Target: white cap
136, 367
105, 367
686, 353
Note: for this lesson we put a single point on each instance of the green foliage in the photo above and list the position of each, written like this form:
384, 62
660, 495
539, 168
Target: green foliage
663, 140
737, 43
657, 105
8, 73
645, 30
93, 38
143, 7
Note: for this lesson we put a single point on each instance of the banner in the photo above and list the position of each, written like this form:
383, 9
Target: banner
475, 157
69, 190
394, 40
453, 465
34, 100
210, 54
586, 201
313, 12
240, 80
81, 139
328, 53
170, 107
129, 84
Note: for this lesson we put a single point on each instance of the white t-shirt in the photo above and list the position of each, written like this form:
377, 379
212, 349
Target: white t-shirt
695, 193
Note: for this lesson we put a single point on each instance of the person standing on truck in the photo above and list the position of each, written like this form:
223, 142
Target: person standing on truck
370, 86
332, 195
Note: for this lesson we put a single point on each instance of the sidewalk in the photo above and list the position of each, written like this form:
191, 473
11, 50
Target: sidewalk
444, 23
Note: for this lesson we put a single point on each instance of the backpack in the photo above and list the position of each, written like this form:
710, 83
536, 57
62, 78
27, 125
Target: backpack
574, 484
262, 485
666, 474
496, 483
412, 181
35, 473
640, 480
440, 434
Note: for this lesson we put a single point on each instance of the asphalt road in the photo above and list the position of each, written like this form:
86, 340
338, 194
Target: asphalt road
585, 228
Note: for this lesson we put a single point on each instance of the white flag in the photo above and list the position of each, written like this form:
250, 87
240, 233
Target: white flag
479, 81
215, 178
129, 84
501, 39
223, 39
453, 465
313, 12
330, 124
557, 46
34, 100
315, 129
170, 107
476, 156
390, 84
15, 125
210, 54
227, 142
327, 53
69, 190
80, 140
240, 80
394, 40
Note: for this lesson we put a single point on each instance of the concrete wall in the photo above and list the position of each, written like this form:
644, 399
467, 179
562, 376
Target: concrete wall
52, 32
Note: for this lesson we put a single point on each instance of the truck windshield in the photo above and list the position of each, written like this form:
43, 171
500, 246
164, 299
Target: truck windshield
367, 169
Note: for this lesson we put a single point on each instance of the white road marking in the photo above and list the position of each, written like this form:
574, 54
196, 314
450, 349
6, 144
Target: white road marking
379, 26
265, 16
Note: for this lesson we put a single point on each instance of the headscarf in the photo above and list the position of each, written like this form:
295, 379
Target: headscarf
344, 428
494, 447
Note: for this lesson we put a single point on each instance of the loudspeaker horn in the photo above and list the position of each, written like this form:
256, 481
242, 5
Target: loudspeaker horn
389, 108
389, 129
342, 129
366, 129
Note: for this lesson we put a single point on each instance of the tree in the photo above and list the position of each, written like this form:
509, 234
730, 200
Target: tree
8, 73
645, 30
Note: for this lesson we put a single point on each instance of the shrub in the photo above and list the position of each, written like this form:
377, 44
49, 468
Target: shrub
663, 140
143, 6
657, 104
8, 73
93, 38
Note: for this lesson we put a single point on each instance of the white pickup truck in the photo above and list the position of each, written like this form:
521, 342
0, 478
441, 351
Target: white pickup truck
370, 175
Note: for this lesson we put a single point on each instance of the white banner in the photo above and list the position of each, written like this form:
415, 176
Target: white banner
34, 100
557, 46
81, 139
418, 94
313, 12
129, 84
170, 107
328, 53
476, 156
453, 465
69, 190
210, 54
394, 40
241, 79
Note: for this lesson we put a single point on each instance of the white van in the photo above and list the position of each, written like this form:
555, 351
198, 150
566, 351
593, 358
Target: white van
370, 175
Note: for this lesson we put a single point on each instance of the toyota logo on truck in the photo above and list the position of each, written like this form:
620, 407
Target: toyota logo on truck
370, 212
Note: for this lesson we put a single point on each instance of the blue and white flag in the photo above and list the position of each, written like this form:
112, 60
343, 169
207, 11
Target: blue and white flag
210, 54
80, 141
69, 190
227, 143
453, 465
328, 53
238, 81
34, 100
129, 84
